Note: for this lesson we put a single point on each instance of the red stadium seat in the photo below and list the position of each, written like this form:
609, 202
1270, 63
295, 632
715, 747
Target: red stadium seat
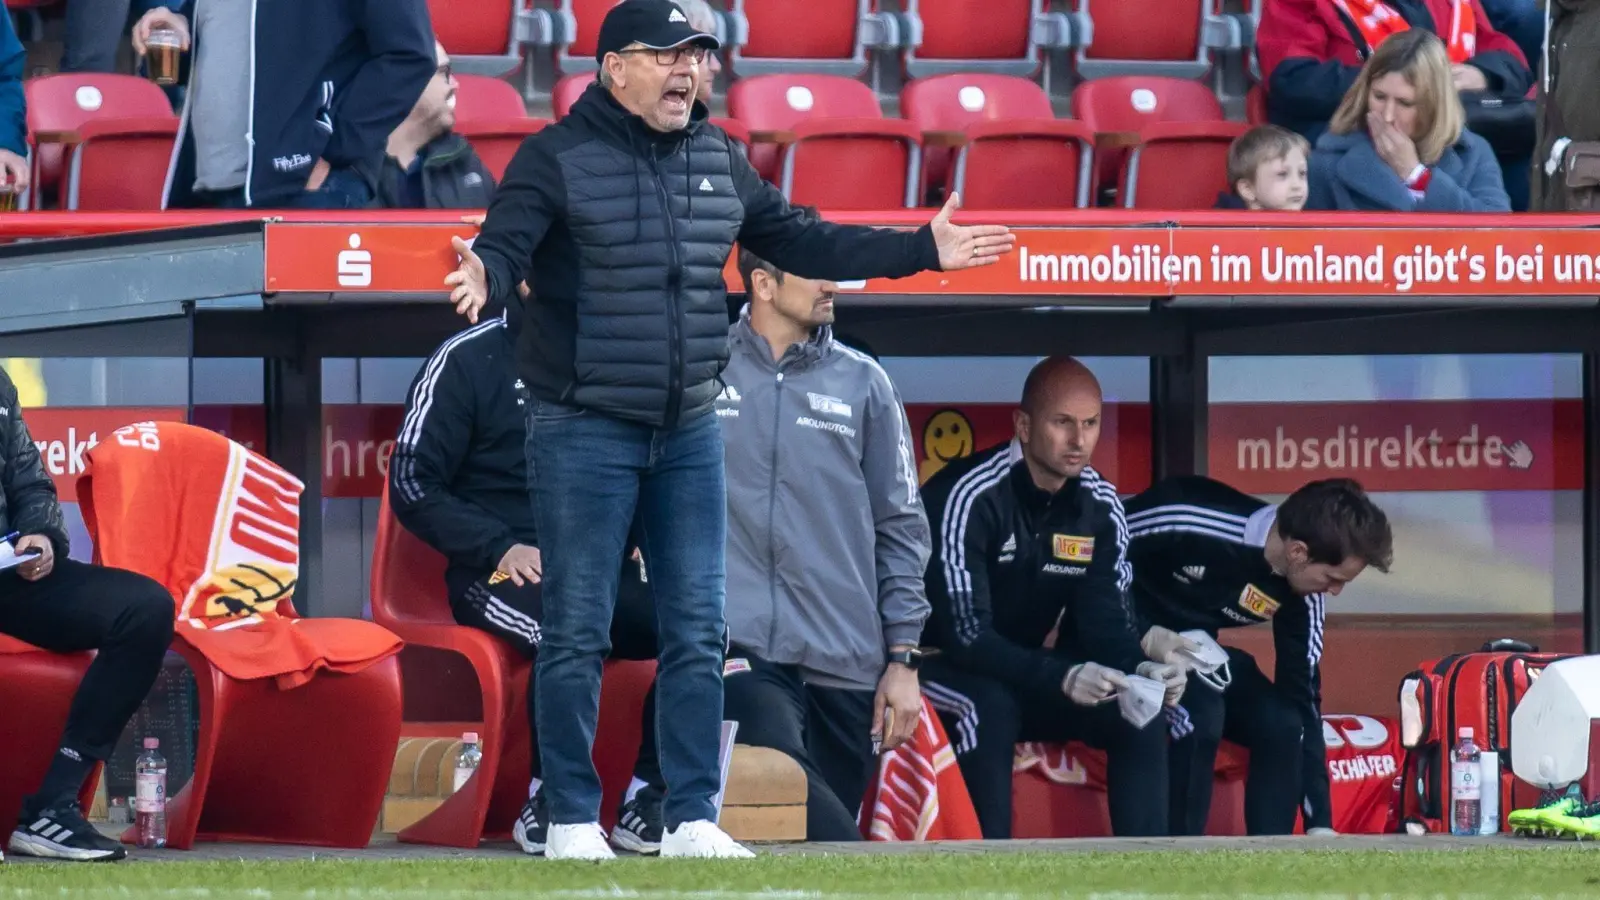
736, 131
568, 90
1026, 164
1158, 37
842, 163
1128, 104
497, 140
1181, 165
60, 105
409, 598
36, 691
777, 103
817, 36
120, 164
479, 35
1255, 105
949, 103
480, 97
587, 15
994, 36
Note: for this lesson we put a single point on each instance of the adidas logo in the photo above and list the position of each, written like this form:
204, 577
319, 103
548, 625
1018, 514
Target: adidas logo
677, 16
1010, 545
705, 185
1190, 574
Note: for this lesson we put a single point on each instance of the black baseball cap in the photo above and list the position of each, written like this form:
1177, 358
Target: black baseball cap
657, 24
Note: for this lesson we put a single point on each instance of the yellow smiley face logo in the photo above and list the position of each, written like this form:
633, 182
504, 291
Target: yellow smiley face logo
946, 436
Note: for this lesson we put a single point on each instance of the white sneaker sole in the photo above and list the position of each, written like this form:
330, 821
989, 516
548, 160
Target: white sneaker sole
32, 845
623, 839
602, 854
520, 835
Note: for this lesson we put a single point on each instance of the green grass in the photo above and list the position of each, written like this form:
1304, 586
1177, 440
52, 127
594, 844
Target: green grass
1546, 870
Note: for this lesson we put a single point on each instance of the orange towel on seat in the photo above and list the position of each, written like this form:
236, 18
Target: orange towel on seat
918, 793
219, 527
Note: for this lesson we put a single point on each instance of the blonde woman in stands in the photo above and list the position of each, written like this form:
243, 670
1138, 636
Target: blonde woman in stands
1399, 142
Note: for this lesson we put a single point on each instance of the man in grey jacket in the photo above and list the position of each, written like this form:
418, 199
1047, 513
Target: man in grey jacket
827, 546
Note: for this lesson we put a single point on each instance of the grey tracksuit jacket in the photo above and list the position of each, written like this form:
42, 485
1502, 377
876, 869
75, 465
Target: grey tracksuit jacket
827, 538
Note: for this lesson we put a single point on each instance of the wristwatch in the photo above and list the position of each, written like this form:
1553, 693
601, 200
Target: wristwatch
910, 657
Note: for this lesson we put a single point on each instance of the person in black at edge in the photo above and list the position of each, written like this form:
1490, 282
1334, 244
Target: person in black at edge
60, 604
458, 480
1206, 556
1026, 534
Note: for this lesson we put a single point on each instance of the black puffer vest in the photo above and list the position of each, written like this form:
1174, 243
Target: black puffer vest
629, 314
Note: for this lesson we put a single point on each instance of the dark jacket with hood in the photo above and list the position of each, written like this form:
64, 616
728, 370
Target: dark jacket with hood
1567, 98
329, 79
13, 106
28, 503
623, 231
1310, 58
1347, 173
453, 177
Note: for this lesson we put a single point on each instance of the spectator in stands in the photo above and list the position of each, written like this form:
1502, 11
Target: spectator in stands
13, 110
624, 211
94, 31
458, 480
299, 118
1523, 22
428, 166
1027, 535
1569, 117
827, 544
60, 604
1267, 170
703, 18
1397, 142
1208, 557
1311, 52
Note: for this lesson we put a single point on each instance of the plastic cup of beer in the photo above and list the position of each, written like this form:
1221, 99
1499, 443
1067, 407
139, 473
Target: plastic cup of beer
9, 195
161, 51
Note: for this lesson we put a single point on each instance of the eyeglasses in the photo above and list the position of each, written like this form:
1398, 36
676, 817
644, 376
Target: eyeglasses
671, 55
443, 71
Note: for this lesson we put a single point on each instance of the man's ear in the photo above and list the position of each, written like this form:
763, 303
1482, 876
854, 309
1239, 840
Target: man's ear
1297, 552
1022, 423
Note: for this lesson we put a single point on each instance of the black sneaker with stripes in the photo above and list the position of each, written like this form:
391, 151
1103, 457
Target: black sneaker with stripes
533, 824
639, 825
63, 833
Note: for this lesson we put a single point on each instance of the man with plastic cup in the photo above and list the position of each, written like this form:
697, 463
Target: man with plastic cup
1206, 557
13, 117
1027, 535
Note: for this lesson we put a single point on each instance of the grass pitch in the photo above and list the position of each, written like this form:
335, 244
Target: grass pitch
1546, 871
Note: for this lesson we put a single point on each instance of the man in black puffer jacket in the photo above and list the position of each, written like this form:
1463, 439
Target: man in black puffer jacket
622, 215
64, 605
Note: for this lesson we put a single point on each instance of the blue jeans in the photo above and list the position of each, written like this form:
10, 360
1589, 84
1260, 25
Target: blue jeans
592, 477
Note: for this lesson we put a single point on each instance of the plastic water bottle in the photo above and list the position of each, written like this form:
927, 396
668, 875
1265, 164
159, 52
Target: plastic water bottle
1466, 786
150, 795
467, 760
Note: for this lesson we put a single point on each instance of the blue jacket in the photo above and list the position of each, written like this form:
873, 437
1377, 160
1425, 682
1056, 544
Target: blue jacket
13, 107
1346, 173
330, 80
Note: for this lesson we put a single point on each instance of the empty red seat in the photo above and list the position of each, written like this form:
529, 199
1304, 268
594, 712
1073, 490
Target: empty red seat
568, 90
1159, 37
491, 116
777, 103
814, 30
844, 163
120, 164
950, 103
979, 35
60, 105
586, 16
1129, 104
474, 27
1182, 165
1025, 164
480, 97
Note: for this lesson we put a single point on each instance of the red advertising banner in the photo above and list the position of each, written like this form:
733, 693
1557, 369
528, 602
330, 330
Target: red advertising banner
1400, 445
1064, 261
1261, 448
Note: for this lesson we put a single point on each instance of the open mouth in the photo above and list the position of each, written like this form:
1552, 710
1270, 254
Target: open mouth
676, 99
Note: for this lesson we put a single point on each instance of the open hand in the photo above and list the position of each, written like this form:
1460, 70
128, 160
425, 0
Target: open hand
968, 246
41, 565
469, 283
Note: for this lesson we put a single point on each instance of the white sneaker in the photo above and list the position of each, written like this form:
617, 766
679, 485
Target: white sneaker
586, 841
703, 839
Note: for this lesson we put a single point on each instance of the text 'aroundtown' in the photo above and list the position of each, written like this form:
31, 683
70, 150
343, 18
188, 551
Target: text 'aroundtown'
1422, 266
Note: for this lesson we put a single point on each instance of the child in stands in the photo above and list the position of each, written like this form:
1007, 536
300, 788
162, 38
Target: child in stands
1267, 171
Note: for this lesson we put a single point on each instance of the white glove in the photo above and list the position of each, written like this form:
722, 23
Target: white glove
1167, 646
1172, 677
1090, 684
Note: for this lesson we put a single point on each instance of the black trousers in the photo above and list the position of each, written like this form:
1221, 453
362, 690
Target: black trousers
986, 719
513, 614
1255, 715
123, 615
828, 731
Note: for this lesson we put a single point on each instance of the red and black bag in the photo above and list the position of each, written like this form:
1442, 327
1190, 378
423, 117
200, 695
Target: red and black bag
1477, 690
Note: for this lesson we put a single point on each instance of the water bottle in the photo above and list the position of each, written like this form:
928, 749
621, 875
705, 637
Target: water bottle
1465, 786
467, 760
150, 795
